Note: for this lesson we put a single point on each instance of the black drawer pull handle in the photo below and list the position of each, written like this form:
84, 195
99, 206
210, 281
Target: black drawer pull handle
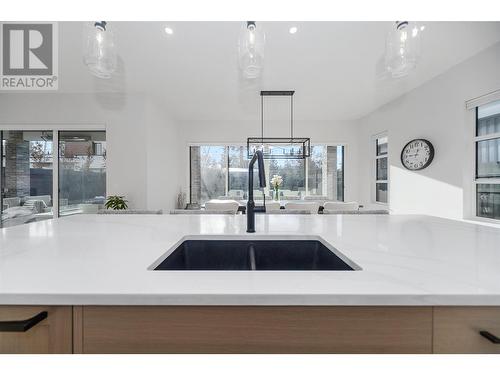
491, 337
23, 325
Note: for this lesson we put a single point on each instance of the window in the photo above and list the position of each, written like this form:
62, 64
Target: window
381, 169
30, 161
325, 172
26, 177
238, 172
487, 175
208, 172
82, 171
222, 172
294, 176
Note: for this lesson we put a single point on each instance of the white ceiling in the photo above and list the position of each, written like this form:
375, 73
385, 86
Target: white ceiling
331, 65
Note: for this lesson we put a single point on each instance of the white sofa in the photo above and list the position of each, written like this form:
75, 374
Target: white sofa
222, 205
341, 206
312, 207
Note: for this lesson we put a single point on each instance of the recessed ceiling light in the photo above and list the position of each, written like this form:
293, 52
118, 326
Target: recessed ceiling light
169, 31
293, 29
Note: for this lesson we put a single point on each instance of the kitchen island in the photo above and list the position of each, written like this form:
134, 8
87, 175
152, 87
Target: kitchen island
426, 285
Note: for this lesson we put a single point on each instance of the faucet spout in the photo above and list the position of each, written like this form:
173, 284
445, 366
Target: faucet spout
259, 157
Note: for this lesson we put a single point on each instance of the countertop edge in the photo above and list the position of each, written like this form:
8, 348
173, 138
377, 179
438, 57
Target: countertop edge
250, 300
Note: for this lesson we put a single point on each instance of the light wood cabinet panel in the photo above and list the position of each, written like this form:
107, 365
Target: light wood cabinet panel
51, 335
256, 329
78, 329
456, 329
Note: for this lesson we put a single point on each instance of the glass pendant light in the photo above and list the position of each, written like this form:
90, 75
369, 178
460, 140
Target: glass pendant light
251, 50
402, 49
100, 51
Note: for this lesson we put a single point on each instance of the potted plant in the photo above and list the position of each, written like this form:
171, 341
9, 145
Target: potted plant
276, 182
116, 202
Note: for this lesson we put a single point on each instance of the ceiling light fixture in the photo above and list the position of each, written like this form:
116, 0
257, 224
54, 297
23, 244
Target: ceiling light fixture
293, 29
402, 49
169, 31
251, 50
99, 50
278, 148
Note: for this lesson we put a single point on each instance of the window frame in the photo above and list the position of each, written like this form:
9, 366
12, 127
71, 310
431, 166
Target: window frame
238, 144
374, 159
481, 180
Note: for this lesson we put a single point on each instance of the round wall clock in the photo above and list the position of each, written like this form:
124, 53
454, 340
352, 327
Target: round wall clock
417, 154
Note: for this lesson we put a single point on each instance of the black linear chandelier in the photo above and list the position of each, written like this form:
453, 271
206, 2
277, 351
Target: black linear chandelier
279, 148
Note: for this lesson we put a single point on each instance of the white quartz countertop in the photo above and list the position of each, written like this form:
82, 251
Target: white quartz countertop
104, 260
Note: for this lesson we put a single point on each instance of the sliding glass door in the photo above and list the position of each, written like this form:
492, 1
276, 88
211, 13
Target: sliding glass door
221, 172
82, 171
26, 176
32, 161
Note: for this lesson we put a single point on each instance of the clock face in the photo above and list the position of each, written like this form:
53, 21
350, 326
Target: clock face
417, 154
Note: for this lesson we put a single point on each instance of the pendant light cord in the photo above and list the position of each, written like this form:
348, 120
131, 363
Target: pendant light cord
262, 117
262, 120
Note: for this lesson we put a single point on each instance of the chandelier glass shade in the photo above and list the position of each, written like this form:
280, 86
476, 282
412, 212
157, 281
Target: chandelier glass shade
402, 49
251, 44
99, 50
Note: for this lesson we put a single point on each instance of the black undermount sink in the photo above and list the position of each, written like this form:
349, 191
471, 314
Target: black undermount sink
253, 255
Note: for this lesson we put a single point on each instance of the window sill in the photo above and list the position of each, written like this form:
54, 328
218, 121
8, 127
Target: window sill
483, 220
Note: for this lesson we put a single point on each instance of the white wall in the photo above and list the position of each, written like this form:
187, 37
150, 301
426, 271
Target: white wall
135, 125
236, 132
164, 171
435, 111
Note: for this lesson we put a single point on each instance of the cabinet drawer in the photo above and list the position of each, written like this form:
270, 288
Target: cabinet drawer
53, 334
256, 329
456, 329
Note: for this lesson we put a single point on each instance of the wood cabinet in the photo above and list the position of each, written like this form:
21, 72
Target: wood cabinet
250, 329
52, 334
255, 329
457, 329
